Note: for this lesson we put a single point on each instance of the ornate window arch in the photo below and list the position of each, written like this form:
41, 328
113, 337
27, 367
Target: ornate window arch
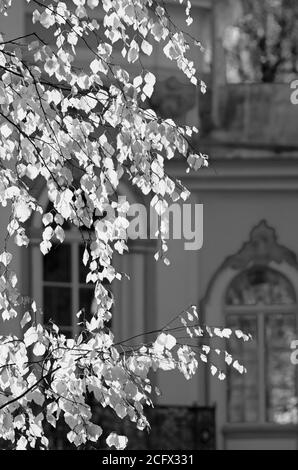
256, 290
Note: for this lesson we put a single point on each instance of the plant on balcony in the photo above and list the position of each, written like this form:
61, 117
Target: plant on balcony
263, 45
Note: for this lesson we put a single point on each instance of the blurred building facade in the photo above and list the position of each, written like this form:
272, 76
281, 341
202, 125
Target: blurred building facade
246, 273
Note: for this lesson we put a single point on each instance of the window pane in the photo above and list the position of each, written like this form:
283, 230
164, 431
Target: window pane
281, 373
260, 286
86, 300
83, 270
57, 305
57, 264
243, 406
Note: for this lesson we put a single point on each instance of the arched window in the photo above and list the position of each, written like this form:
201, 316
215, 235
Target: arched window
262, 301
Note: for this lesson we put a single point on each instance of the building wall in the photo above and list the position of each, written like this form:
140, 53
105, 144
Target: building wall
236, 198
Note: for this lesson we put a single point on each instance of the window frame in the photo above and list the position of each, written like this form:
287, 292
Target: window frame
260, 312
74, 240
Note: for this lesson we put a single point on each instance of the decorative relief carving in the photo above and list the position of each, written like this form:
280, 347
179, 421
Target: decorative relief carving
172, 99
262, 248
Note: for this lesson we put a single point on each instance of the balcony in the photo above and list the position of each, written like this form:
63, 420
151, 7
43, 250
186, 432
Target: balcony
258, 115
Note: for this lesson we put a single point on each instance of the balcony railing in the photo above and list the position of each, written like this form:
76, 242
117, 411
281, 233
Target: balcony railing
172, 427
254, 114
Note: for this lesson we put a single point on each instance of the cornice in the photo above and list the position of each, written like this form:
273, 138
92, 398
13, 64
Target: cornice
263, 174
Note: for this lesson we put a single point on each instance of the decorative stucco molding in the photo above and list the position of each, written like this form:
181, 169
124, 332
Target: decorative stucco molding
172, 99
262, 248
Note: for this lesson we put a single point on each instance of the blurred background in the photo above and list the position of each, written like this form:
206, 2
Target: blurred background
246, 274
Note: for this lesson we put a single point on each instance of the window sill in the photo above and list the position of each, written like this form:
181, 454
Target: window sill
259, 429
